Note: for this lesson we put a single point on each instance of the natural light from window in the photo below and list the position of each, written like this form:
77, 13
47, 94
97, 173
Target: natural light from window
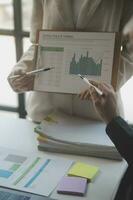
7, 61
6, 14
127, 98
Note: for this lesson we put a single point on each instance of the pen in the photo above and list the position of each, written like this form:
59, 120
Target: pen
90, 84
32, 72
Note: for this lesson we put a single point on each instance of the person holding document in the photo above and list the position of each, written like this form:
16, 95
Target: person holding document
75, 15
117, 129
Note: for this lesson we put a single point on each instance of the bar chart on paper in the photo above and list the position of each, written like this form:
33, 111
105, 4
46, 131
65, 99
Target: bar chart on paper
86, 65
30, 173
90, 55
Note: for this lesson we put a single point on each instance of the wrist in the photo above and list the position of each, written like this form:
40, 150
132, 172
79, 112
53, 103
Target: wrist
109, 120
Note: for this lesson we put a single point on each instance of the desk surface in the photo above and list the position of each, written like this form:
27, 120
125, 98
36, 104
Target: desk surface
19, 134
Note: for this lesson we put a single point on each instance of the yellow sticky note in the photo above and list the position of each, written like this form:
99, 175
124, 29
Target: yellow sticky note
83, 170
51, 119
42, 139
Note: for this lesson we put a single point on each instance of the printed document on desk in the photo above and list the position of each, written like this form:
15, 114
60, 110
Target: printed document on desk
72, 53
30, 172
64, 133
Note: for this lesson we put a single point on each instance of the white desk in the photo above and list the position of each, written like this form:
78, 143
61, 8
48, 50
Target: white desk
19, 134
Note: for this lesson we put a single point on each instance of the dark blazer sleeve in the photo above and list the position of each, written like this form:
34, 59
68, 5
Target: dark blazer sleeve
121, 135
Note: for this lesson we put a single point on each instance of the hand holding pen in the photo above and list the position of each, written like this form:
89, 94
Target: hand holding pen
105, 103
90, 84
22, 81
31, 73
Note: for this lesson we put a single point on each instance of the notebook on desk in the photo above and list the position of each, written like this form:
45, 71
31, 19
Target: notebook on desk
64, 133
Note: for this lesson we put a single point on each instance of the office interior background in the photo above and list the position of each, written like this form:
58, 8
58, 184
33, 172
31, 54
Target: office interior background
14, 40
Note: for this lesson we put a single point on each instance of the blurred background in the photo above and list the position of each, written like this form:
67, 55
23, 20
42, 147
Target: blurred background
14, 40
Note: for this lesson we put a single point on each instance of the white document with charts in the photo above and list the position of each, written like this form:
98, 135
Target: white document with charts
72, 53
30, 172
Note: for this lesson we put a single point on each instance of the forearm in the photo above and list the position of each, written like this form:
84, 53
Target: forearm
121, 135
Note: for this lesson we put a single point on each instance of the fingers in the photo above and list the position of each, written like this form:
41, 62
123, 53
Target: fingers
95, 83
98, 85
13, 79
95, 97
85, 95
23, 84
101, 85
92, 94
19, 79
104, 87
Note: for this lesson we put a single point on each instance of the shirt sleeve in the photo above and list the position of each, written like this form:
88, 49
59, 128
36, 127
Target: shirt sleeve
27, 60
121, 135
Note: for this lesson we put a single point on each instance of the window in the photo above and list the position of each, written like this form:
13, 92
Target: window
14, 33
7, 45
6, 15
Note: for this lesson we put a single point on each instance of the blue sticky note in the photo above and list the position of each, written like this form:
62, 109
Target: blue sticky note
5, 173
72, 185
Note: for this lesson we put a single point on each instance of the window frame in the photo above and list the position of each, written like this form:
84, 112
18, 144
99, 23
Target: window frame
18, 35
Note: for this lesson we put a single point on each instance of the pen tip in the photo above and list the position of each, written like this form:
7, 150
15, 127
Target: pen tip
80, 76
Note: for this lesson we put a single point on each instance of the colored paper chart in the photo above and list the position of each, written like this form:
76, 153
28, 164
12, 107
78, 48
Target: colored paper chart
31, 173
83, 170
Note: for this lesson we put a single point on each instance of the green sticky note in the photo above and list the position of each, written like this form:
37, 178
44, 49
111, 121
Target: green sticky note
83, 170
14, 167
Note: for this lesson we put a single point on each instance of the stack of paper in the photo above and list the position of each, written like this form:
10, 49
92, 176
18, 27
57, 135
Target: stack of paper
64, 133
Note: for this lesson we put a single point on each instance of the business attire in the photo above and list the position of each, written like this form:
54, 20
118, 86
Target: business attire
86, 15
121, 135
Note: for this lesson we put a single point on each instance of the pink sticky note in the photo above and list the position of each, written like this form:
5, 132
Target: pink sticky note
72, 185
